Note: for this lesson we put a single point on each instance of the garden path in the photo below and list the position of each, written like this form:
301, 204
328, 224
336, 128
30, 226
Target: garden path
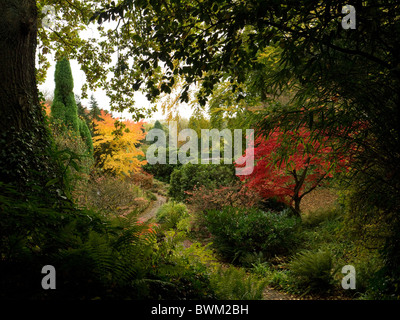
152, 210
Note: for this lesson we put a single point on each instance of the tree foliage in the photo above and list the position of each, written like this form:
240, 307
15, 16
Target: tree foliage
345, 83
95, 112
64, 106
338, 76
289, 171
184, 179
115, 144
64, 109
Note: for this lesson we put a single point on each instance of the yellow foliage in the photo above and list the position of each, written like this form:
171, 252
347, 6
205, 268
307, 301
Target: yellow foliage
122, 140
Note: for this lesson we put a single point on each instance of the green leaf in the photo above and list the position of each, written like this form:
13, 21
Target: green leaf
52, 182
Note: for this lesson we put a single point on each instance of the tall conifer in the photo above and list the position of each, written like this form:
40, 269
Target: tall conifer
64, 107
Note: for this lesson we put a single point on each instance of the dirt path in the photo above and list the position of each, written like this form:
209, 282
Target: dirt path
272, 294
152, 210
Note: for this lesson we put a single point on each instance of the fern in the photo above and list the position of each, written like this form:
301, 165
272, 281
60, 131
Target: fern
95, 257
313, 270
235, 284
171, 213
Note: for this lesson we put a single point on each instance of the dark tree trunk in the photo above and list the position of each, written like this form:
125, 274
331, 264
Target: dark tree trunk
23, 136
296, 209
18, 89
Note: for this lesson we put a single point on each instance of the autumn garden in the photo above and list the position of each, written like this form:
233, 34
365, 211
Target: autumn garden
316, 106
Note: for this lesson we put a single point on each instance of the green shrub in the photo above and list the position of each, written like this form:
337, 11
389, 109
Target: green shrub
159, 187
171, 213
323, 230
174, 189
179, 272
368, 266
72, 152
237, 232
312, 270
249, 259
317, 217
85, 135
235, 284
189, 176
162, 172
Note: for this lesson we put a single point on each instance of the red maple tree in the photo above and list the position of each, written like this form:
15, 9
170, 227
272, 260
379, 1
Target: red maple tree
289, 165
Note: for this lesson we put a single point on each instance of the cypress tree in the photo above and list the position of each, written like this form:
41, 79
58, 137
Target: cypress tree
64, 107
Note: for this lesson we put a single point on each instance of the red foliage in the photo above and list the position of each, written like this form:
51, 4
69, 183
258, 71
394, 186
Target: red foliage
288, 165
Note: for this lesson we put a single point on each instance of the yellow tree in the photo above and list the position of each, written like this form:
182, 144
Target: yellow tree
115, 144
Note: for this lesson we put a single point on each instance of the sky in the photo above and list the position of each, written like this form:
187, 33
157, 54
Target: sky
100, 95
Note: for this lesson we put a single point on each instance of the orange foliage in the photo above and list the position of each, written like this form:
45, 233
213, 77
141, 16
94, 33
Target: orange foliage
47, 108
122, 140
